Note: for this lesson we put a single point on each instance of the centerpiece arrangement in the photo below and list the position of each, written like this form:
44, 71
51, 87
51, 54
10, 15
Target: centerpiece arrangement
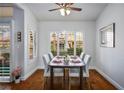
17, 74
66, 58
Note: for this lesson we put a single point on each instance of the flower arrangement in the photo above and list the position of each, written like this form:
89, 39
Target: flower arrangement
17, 72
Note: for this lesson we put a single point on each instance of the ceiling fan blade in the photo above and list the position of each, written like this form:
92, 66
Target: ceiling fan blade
75, 9
64, 4
58, 4
54, 9
69, 4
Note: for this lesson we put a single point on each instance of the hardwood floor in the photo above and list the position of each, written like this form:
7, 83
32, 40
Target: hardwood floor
36, 82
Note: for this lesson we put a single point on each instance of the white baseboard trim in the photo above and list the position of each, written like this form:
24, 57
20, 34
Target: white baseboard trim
91, 67
29, 74
40, 67
110, 79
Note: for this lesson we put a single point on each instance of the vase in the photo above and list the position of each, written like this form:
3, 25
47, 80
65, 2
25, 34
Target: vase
17, 80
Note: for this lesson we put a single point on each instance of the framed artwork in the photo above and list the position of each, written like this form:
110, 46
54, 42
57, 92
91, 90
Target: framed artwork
107, 36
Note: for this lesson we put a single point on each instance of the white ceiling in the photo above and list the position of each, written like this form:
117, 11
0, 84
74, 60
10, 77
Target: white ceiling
90, 12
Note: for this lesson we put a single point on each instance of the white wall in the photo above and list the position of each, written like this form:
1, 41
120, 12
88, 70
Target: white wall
18, 18
110, 61
87, 28
30, 22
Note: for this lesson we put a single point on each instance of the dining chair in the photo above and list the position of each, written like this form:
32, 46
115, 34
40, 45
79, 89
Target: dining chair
46, 60
50, 55
87, 60
75, 71
82, 55
57, 72
50, 58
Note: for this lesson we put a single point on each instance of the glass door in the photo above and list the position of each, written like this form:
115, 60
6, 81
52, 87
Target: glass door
5, 51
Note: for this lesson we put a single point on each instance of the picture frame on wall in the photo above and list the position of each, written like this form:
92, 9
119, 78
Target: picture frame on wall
107, 36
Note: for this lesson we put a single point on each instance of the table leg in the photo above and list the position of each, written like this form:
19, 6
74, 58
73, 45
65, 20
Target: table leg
66, 78
64, 74
51, 77
81, 74
63, 81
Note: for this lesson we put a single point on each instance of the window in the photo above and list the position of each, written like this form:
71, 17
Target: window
62, 43
70, 43
31, 46
66, 43
53, 43
79, 43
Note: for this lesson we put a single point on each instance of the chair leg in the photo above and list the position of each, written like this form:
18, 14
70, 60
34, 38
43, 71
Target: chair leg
69, 82
63, 82
45, 82
88, 83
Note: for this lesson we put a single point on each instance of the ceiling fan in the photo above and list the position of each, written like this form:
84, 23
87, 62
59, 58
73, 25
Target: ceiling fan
65, 8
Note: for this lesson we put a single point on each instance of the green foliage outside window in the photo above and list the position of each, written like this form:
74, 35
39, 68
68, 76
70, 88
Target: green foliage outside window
70, 51
78, 51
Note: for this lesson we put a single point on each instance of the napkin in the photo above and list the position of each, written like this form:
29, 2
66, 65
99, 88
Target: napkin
57, 61
75, 61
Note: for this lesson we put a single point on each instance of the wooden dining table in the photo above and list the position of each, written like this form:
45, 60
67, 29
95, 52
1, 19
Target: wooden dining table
70, 62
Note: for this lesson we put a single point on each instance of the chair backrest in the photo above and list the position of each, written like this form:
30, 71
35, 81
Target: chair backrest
87, 59
50, 56
46, 60
82, 55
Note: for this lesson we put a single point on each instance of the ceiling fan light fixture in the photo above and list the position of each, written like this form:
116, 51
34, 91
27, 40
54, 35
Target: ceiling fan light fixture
65, 8
67, 11
64, 12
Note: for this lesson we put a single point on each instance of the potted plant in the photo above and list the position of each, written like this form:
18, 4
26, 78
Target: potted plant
17, 74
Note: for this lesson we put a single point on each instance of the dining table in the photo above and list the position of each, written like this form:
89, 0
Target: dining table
66, 62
